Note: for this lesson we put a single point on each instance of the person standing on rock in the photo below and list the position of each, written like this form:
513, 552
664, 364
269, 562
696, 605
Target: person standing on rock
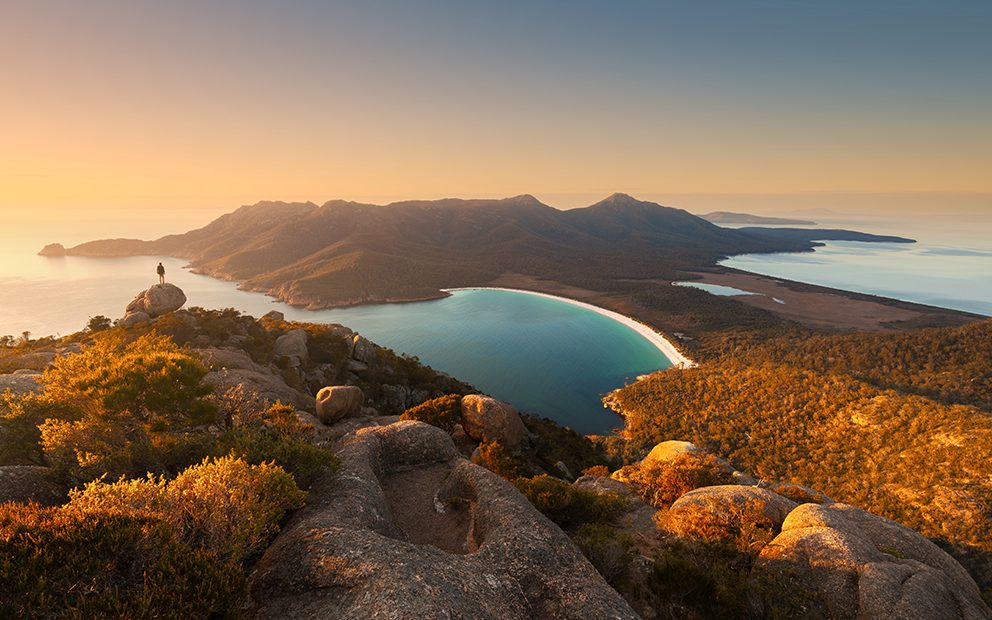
161, 273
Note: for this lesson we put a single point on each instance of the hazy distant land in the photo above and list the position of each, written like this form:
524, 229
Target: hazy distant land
729, 217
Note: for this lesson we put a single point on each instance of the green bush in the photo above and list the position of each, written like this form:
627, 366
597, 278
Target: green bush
609, 550
119, 406
568, 506
63, 563
661, 483
444, 412
494, 457
227, 505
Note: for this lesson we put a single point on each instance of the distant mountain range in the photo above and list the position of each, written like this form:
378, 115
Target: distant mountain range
729, 217
346, 253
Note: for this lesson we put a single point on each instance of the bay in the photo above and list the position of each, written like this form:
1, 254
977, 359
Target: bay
542, 355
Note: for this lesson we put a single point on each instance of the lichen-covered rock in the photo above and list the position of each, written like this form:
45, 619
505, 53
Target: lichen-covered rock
19, 383
292, 345
30, 483
409, 529
157, 300
339, 401
487, 419
865, 566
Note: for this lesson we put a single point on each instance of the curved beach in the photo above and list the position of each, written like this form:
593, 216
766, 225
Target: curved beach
660, 342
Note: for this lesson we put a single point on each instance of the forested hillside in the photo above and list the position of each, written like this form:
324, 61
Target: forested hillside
897, 424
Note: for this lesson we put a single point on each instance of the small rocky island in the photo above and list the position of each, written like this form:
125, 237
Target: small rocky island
53, 250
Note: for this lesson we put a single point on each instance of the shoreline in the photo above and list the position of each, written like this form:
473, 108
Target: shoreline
676, 357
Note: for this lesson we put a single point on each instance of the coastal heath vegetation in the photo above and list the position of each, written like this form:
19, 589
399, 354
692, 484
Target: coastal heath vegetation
897, 424
176, 490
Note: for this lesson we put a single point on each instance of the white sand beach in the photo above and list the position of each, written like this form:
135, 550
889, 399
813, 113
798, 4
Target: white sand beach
663, 344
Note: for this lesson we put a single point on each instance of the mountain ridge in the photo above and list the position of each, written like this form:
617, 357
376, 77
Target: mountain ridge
344, 252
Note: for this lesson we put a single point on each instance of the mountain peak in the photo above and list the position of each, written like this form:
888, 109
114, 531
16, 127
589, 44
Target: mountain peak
620, 198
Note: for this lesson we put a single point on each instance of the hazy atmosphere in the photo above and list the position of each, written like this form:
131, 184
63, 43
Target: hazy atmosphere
515, 310
185, 104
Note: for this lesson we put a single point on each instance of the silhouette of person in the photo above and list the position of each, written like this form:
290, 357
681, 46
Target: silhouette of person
161, 273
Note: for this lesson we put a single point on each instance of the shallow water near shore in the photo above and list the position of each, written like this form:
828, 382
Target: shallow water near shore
542, 355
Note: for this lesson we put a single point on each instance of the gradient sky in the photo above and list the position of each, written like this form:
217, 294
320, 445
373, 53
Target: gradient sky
180, 104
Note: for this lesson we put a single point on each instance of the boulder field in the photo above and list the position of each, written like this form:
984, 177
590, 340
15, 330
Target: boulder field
857, 564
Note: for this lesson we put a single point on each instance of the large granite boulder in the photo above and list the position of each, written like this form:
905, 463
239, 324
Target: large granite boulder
19, 383
670, 450
865, 566
293, 346
728, 502
363, 350
487, 419
339, 401
134, 318
410, 529
157, 300
31, 483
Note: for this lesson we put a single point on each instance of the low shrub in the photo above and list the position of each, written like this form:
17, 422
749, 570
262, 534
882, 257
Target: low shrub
661, 483
741, 526
227, 505
497, 459
444, 412
65, 563
569, 506
609, 550
600, 471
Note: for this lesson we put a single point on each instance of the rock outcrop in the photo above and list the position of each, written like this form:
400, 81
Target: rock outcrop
53, 250
410, 529
36, 360
363, 350
230, 368
487, 419
30, 483
339, 401
157, 300
865, 566
293, 346
19, 383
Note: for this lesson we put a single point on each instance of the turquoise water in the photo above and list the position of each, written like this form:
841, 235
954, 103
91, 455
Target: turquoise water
542, 355
716, 289
948, 277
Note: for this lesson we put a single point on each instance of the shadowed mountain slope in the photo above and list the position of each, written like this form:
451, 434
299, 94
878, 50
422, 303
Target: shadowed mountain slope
344, 253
